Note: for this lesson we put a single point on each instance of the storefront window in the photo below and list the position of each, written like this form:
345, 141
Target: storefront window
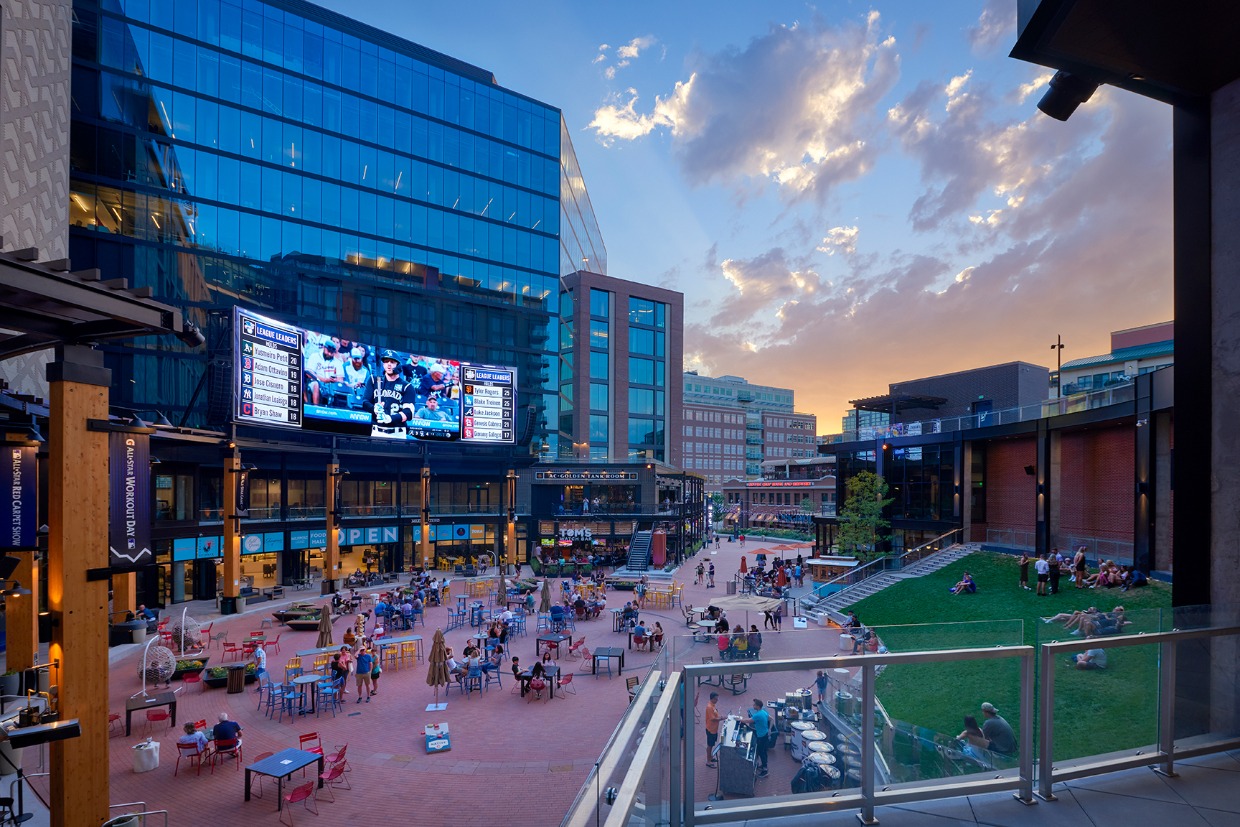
174, 497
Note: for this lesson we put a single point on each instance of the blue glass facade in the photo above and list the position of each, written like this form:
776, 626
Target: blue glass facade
282, 156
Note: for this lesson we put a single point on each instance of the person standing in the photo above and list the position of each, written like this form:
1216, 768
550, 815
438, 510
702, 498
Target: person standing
1024, 570
710, 575
260, 661
778, 617
760, 720
1043, 570
701, 573
712, 718
365, 665
1056, 565
1078, 567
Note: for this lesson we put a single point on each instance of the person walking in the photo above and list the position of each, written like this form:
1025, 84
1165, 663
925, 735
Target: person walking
701, 573
712, 718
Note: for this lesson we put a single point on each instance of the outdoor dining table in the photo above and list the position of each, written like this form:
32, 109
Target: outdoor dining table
551, 638
552, 678
703, 630
310, 684
168, 699
280, 766
326, 650
607, 652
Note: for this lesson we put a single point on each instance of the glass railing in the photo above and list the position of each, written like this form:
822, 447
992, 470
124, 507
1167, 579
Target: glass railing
1007, 416
889, 726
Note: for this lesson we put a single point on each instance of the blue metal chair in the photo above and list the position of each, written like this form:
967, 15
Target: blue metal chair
473, 680
290, 702
494, 675
330, 693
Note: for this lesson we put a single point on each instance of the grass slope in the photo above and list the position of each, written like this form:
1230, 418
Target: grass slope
1097, 712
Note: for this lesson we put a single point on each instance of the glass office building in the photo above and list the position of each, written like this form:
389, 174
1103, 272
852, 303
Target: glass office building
281, 156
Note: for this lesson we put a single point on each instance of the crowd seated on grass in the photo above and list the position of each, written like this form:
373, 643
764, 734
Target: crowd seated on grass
1091, 622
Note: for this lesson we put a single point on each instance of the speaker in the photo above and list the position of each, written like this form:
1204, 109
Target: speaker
531, 422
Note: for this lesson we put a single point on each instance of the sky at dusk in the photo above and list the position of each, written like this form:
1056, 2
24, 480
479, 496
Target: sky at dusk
848, 194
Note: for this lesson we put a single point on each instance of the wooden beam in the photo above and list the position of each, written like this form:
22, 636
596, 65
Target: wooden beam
232, 537
21, 615
331, 551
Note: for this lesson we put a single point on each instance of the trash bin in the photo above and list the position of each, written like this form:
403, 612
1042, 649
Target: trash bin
236, 678
731, 587
146, 756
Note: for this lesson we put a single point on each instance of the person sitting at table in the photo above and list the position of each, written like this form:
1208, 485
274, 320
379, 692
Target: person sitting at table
494, 660
598, 605
195, 737
740, 642
639, 635
629, 614
656, 634
724, 642
755, 641
721, 626
579, 606
226, 730
537, 680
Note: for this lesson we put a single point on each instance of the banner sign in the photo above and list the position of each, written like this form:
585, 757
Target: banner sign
129, 530
243, 494
21, 492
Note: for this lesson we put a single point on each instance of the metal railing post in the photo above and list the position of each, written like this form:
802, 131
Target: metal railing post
1046, 728
866, 815
676, 732
1166, 708
687, 805
1025, 793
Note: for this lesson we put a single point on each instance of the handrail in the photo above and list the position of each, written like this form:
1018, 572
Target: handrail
904, 558
116, 820
611, 758
850, 578
626, 794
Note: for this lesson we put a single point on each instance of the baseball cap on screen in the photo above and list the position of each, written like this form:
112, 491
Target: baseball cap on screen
389, 354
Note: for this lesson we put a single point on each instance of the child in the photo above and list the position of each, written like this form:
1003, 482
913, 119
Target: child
820, 683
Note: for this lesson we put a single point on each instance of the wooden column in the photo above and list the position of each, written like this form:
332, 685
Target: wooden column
124, 594
21, 614
77, 543
232, 538
331, 551
511, 528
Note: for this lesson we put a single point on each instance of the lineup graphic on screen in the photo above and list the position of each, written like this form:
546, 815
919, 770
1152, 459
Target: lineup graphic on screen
331, 382
268, 371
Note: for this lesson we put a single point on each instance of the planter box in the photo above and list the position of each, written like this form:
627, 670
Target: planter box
216, 683
178, 673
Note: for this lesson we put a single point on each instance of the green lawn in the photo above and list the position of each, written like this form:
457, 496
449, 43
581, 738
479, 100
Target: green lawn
1097, 711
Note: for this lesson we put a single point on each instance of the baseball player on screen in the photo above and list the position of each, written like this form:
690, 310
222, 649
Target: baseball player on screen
391, 396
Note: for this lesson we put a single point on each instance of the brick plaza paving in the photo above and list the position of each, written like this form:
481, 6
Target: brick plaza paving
513, 761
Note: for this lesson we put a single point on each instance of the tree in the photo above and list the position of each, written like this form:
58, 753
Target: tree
716, 507
862, 525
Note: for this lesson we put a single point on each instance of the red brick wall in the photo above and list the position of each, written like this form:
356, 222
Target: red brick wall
1096, 496
1010, 492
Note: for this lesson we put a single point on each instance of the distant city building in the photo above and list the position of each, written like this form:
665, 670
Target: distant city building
624, 345
732, 427
1135, 351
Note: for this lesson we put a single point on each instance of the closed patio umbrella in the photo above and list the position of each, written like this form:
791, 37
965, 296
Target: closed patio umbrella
325, 627
545, 605
437, 667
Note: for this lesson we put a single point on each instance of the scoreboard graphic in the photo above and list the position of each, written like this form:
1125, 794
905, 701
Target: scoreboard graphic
267, 371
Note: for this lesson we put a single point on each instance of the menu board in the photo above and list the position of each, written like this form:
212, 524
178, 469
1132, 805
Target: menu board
268, 371
487, 409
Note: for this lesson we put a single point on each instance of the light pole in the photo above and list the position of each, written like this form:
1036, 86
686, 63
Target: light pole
1058, 348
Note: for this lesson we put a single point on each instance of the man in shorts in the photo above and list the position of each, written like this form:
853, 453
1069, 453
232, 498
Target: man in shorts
365, 664
712, 718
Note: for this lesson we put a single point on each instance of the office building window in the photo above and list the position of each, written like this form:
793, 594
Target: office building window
600, 304
598, 366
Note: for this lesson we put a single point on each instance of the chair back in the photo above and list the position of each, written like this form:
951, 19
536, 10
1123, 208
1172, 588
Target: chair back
187, 749
225, 746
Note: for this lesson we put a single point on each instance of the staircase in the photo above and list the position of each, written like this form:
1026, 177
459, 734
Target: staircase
639, 552
832, 605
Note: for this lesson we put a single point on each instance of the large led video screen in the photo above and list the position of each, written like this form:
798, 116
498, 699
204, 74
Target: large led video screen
296, 377
397, 395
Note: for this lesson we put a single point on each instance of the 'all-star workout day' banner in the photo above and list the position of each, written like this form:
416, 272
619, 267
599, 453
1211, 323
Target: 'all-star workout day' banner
129, 529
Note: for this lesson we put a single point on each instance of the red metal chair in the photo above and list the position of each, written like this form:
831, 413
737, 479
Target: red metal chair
310, 742
257, 791
205, 632
195, 757
192, 677
227, 746
305, 794
338, 758
566, 684
115, 718
153, 715
231, 649
335, 777
273, 645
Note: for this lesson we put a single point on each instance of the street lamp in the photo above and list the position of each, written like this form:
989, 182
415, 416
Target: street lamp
1058, 348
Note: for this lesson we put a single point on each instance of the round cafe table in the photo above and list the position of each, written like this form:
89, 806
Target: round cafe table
310, 685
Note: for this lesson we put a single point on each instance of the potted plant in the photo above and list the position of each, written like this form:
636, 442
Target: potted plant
10, 682
189, 666
251, 672
216, 677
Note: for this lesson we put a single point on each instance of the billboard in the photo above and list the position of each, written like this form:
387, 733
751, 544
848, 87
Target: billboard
291, 376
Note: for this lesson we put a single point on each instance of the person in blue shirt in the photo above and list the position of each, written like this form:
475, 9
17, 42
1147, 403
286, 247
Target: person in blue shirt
226, 730
365, 664
760, 720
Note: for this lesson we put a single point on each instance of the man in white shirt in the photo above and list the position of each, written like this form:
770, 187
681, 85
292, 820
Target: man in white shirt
326, 374
1043, 569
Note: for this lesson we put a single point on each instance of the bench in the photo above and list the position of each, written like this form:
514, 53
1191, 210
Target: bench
256, 598
274, 593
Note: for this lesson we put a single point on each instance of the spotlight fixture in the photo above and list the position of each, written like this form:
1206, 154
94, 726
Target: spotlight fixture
162, 420
1067, 91
16, 590
138, 422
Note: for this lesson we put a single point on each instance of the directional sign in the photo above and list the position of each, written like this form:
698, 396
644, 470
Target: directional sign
488, 403
267, 371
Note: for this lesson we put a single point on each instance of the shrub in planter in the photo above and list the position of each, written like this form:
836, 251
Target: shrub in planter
216, 677
622, 585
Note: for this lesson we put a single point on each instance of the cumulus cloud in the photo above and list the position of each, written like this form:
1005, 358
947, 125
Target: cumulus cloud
1084, 249
622, 121
794, 107
995, 27
625, 54
839, 240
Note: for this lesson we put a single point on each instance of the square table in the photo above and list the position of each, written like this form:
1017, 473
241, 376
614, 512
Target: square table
551, 638
607, 652
168, 699
280, 766
552, 679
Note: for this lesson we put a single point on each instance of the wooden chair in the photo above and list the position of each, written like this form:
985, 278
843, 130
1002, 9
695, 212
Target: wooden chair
631, 684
